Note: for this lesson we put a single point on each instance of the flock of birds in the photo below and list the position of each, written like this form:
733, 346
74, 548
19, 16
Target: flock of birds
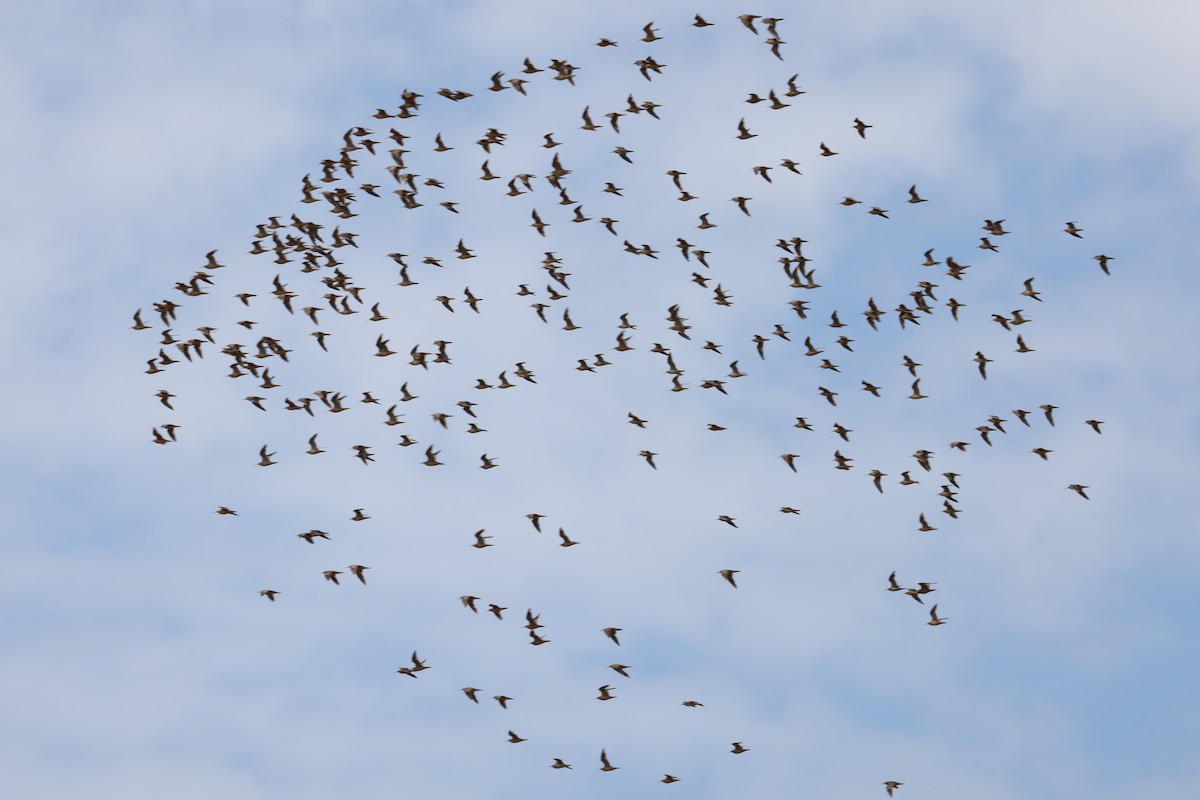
302, 246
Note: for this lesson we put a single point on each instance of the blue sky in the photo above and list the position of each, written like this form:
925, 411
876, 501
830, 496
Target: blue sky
141, 661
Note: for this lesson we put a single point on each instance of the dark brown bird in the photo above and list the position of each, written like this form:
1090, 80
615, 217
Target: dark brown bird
1048, 410
982, 361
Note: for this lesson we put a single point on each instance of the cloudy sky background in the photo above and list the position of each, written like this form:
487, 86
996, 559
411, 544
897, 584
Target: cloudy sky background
139, 660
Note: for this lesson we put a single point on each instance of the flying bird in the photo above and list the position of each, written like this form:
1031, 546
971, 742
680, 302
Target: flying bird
1049, 410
